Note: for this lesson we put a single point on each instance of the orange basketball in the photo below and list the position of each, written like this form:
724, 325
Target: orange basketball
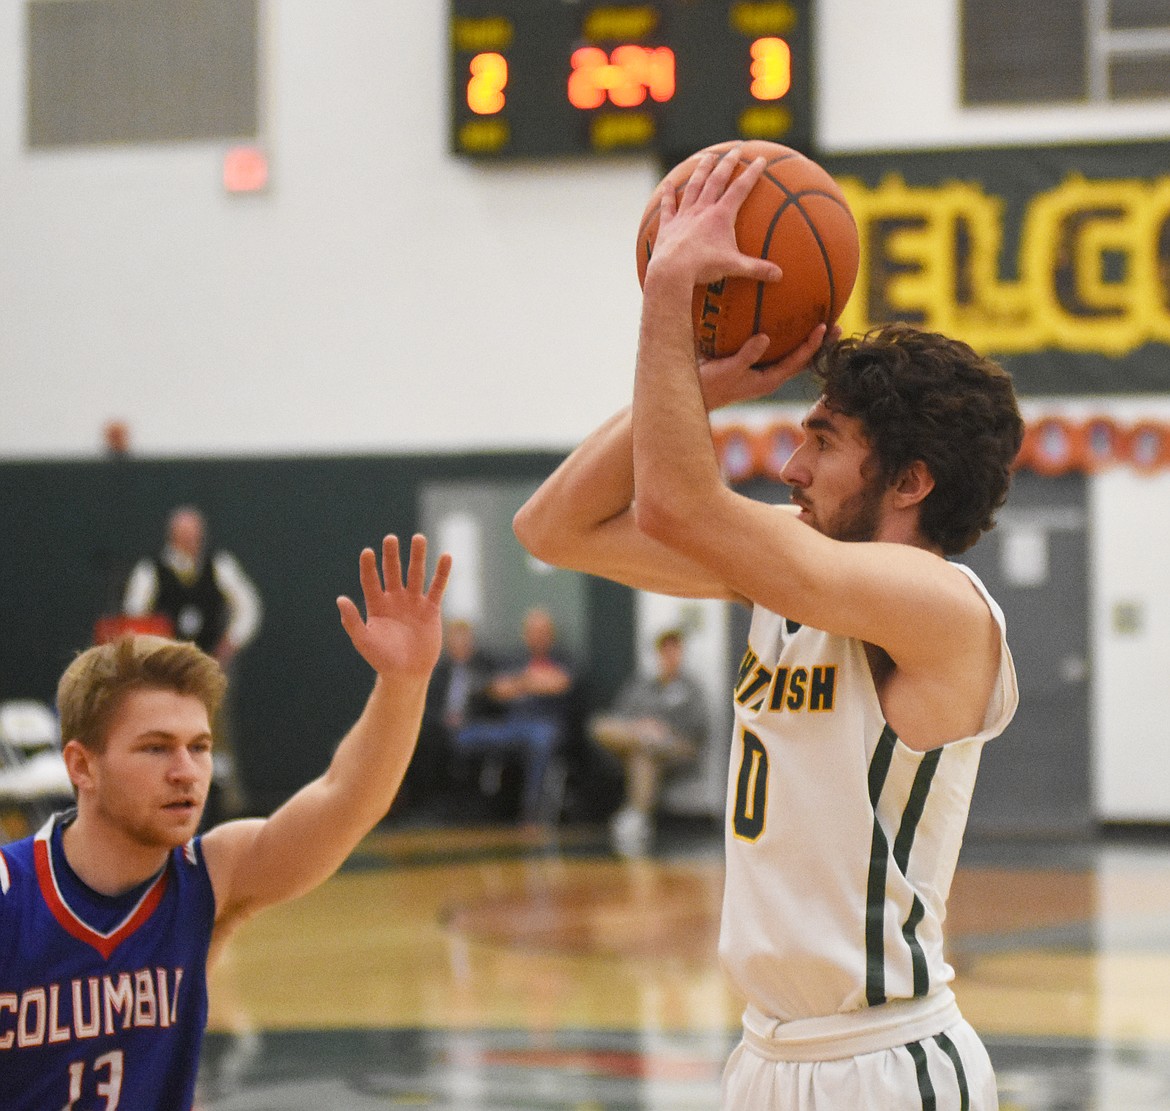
795, 216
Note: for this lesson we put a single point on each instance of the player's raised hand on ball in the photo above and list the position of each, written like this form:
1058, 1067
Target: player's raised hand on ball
696, 231
774, 375
402, 631
738, 378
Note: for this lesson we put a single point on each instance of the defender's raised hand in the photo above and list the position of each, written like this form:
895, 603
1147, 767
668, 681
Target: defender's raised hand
402, 631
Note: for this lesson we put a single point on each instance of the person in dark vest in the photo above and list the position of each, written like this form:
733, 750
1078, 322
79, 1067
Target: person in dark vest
207, 597
209, 600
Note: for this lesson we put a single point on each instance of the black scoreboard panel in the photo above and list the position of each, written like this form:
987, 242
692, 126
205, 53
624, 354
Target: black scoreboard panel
554, 78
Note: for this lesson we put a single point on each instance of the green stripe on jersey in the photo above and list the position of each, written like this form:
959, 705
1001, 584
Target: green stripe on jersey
917, 956
879, 766
879, 854
914, 808
915, 805
875, 896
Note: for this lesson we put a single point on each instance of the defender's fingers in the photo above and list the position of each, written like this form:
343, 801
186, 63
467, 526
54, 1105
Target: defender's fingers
351, 618
416, 570
368, 574
391, 562
441, 576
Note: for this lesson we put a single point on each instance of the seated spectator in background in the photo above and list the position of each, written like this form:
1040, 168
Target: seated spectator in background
209, 600
458, 691
657, 722
531, 712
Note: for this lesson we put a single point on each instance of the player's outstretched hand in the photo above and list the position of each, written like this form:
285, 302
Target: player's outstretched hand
737, 378
402, 631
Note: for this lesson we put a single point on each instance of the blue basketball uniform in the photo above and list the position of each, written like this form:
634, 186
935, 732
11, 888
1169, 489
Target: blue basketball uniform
103, 1000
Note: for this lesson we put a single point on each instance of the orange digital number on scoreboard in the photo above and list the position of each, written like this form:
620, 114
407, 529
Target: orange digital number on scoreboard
485, 87
771, 68
624, 77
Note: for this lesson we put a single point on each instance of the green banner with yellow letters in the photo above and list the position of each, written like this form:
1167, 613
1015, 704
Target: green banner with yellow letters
1055, 260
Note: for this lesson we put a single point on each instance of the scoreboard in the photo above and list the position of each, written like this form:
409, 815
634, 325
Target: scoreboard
553, 78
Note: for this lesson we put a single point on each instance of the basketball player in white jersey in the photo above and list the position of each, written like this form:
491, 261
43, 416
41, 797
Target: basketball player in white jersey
875, 668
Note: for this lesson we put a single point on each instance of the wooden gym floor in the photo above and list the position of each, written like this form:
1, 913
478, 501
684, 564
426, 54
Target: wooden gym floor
491, 968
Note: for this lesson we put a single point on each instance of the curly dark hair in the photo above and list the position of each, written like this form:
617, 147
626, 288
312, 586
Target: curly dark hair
921, 395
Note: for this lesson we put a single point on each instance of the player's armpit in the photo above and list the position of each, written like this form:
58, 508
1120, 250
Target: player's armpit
226, 849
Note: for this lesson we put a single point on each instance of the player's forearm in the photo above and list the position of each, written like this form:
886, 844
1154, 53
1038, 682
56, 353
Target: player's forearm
313, 833
258, 863
367, 769
675, 466
592, 486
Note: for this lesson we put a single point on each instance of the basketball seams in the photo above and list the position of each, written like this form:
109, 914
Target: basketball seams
819, 239
812, 191
794, 198
820, 242
778, 161
792, 201
766, 252
824, 194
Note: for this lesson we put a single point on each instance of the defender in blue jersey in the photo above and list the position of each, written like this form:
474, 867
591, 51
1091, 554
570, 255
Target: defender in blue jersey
876, 668
110, 913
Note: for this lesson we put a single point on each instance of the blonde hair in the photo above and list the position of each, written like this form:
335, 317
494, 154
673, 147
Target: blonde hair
96, 682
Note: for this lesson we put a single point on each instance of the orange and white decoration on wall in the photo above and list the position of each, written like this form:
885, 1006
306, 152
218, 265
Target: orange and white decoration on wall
1053, 445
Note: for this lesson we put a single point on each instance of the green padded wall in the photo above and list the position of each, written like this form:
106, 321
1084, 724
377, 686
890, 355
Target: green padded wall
70, 531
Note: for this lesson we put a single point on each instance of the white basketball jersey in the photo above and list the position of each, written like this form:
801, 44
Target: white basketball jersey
841, 841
